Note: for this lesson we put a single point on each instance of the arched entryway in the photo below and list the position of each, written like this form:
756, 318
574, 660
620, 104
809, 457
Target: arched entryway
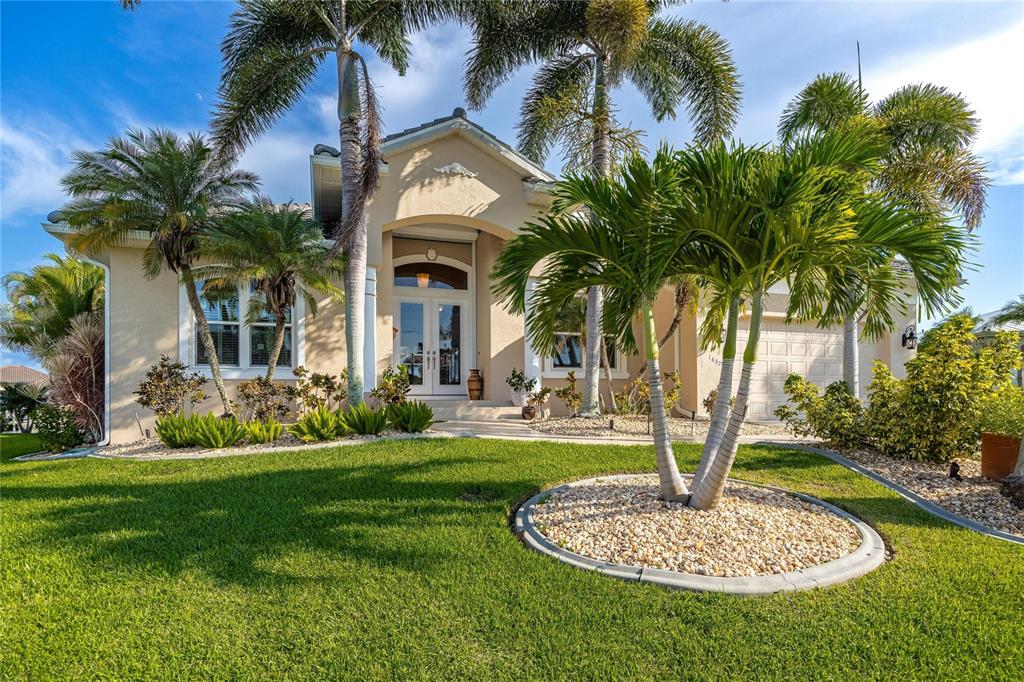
433, 323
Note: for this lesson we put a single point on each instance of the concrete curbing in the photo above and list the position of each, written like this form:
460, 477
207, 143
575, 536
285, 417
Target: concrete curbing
906, 493
866, 558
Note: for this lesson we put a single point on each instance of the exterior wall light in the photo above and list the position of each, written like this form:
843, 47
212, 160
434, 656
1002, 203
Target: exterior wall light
423, 280
910, 338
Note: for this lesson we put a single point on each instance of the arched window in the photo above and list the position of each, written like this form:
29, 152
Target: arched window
430, 276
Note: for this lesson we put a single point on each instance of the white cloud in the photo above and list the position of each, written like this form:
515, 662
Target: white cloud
33, 157
986, 72
433, 65
281, 159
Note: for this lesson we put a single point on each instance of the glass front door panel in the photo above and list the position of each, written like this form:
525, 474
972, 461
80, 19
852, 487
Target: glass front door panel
449, 344
411, 338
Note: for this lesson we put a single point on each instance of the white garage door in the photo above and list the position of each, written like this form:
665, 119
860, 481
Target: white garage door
785, 349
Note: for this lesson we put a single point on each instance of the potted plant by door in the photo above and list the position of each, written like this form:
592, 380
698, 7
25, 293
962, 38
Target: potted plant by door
1002, 428
521, 387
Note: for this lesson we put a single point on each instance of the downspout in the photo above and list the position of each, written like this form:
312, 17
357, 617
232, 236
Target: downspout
106, 348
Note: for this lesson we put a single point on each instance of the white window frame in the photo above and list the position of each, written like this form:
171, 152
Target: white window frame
550, 371
187, 342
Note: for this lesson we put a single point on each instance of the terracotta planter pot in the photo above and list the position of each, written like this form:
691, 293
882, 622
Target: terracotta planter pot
998, 455
529, 412
476, 385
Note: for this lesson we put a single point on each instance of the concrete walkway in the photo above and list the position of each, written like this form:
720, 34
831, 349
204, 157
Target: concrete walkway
514, 429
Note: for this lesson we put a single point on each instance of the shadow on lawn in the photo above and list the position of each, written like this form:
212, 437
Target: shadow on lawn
230, 528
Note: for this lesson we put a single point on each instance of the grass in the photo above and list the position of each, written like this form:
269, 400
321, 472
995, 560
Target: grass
395, 560
17, 444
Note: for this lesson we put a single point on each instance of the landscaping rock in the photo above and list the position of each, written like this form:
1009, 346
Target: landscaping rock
636, 426
1014, 491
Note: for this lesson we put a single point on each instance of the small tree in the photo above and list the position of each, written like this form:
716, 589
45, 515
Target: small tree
18, 401
168, 387
76, 369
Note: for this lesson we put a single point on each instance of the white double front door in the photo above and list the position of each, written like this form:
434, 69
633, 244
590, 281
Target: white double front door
430, 340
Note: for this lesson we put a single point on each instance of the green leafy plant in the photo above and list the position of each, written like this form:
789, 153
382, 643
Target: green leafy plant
320, 424
635, 397
519, 382
392, 387
211, 431
539, 400
569, 394
263, 399
313, 390
1002, 412
365, 420
411, 416
835, 416
168, 388
175, 430
936, 412
263, 431
18, 401
58, 428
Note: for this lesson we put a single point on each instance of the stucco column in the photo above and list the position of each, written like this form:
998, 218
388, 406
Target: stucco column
370, 331
531, 360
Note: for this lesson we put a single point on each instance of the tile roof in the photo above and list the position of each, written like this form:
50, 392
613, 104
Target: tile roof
20, 374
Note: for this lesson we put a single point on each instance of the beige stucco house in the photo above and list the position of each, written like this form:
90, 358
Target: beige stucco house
451, 195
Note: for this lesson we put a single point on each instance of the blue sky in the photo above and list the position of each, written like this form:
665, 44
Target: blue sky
74, 74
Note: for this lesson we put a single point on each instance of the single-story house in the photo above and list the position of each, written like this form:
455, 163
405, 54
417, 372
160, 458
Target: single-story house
451, 195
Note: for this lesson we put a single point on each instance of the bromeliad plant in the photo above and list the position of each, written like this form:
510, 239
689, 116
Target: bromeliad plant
411, 416
320, 424
365, 420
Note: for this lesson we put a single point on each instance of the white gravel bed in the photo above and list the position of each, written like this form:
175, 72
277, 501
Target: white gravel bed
754, 531
152, 448
975, 497
633, 427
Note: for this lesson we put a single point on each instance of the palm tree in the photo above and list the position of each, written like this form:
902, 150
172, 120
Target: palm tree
586, 49
43, 302
165, 185
784, 223
1012, 312
632, 239
271, 56
927, 163
278, 251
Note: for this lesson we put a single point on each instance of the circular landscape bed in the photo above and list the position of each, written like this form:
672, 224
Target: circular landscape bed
760, 539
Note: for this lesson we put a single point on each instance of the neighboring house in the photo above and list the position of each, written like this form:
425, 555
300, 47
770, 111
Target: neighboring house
451, 195
985, 331
20, 374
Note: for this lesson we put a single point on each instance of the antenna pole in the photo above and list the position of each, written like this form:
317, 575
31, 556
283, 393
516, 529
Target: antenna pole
860, 82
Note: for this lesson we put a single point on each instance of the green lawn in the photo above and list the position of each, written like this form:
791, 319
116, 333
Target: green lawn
395, 560
16, 444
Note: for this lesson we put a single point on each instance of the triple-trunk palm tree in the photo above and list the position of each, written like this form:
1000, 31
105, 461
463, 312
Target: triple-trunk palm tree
271, 56
586, 49
169, 187
927, 162
279, 252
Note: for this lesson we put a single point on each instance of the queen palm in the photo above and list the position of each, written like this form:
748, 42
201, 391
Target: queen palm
927, 163
167, 186
631, 238
586, 49
783, 223
271, 56
43, 302
278, 251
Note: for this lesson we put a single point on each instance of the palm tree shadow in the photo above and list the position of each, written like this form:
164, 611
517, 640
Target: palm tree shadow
233, 529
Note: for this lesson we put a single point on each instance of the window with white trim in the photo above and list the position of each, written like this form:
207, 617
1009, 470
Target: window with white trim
239, 344
570, 354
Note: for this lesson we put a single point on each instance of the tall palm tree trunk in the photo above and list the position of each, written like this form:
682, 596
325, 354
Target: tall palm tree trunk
851, 356
673, 489
355, 244
709, 492
275, 351
207, 338
720, 415
600, 166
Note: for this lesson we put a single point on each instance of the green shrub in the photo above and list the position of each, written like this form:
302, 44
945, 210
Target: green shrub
320, 424
392, 387
635, 397
1002, 412
315, 389
411, 417
711, 398
263, 431
58, 428
935, 413
365, 420
175, 430
168, 386
835, 416
262, 399
208, 431
567, 393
